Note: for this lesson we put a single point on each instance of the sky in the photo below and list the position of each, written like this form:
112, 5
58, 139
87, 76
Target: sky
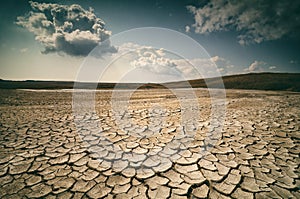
147, 40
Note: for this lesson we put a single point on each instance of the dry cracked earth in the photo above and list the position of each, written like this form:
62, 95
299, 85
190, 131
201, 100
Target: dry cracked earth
48, 151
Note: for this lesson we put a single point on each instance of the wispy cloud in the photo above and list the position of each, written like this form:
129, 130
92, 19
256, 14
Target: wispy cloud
293, 62
65, 28
260, 66
255, 20
23, 50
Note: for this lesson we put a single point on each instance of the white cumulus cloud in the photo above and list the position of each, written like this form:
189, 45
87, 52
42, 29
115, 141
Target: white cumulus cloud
187, 29
160, 62
154, 60
255, 20
69, 29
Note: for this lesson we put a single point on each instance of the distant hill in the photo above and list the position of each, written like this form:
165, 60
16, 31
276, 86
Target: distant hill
257, 81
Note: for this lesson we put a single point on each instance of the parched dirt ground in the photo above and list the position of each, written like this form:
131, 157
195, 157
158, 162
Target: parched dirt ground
146, 151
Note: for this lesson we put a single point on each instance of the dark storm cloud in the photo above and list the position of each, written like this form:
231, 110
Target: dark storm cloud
255, 20
68, 29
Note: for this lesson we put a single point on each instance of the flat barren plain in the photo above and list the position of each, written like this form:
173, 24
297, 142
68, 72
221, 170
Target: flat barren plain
48, 150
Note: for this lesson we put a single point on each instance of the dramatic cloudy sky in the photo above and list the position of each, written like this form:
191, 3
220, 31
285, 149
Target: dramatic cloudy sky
51, 39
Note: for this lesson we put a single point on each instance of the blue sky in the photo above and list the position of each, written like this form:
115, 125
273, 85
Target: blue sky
239, 36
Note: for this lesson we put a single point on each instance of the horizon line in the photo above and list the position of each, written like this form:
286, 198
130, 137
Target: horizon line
74, 81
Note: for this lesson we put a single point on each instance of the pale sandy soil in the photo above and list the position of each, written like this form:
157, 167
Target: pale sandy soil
49, 151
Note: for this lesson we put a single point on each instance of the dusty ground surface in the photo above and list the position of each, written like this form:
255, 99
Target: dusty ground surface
48, 152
